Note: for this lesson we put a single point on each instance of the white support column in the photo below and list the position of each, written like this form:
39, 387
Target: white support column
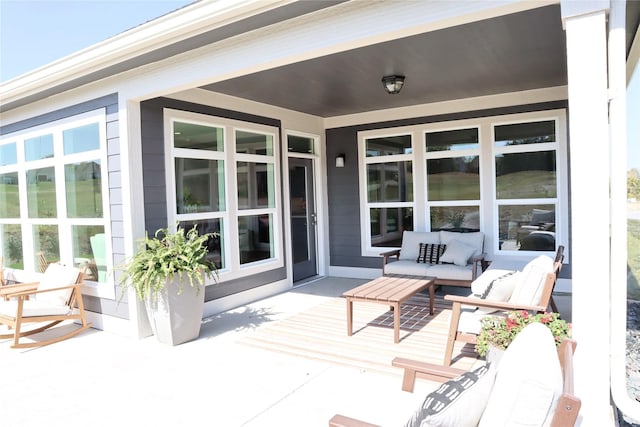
586, 33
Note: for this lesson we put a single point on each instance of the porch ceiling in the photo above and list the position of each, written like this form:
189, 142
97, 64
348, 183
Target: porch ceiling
516, 52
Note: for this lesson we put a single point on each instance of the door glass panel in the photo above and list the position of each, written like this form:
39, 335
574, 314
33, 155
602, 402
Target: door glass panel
89, 250
11, 245
46, 240
83, 185
41, 193
455, 178
299, 214
256, 185
255, 238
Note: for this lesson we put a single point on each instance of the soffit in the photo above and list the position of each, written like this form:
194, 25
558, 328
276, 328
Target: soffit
511, 53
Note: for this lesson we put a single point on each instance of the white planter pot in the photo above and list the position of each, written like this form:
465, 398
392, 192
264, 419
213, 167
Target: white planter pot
176, 319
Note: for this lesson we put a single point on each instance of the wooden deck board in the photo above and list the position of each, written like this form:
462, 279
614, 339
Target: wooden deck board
320, 333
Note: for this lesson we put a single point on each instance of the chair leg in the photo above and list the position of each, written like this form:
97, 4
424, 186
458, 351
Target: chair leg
453, 332
52, 340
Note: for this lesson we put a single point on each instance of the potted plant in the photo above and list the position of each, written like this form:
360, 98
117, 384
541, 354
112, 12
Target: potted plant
168, 274
497, 332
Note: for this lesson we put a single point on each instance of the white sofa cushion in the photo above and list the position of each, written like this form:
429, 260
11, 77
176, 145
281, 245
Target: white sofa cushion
450, 271
474, 239
530, 283
457, 253
458, 402
495, 285
406, 267
411, 243
528, 381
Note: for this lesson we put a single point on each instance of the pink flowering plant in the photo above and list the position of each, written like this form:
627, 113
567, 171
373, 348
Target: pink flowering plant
500, 331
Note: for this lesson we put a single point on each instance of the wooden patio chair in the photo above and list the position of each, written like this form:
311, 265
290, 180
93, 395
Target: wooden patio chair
541, 374
41, 262
2, 282
533, 289
55, 299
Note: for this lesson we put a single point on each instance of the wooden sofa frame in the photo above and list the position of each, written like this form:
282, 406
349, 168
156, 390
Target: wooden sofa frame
565, 414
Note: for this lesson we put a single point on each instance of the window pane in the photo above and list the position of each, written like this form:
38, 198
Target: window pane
40, 147
527, 227
387, 225
89, 250
11, 245
8, 154
255, 238
456, 218
300, 144
41, 193
80, 139
198, 137
256, 185
456, 178
526, 175
462, 139
254, 143
199, 185
9, 199
214, 244
389, 145
390, 182
45, 240
83, 185
525, 133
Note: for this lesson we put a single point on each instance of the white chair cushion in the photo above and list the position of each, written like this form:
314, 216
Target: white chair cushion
528, 382
32, 308
450, 271
475, 239
411, 243
458, 402
530, 283
55, 276
457, 253
406, 267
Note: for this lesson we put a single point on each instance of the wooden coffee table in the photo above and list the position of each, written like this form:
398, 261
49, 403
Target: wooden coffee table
391, 290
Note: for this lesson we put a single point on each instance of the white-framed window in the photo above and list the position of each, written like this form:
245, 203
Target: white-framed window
498, 175
54, 197
387, 187
222, 177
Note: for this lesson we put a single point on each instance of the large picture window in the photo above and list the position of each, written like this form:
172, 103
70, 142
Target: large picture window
224, 176
51, 197
497, 175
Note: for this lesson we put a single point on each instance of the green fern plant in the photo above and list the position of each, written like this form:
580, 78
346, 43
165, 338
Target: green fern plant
167, 255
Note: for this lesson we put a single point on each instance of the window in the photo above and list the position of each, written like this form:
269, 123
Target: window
526, 185
59, 167
498, 175
224, 178
388, 176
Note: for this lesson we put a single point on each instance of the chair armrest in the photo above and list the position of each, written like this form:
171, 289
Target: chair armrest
430, 371
10, 290
388, 254
483, 265
28, 293
342, 421
498, 305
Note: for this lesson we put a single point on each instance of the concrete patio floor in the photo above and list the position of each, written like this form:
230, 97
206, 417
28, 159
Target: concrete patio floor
102, 379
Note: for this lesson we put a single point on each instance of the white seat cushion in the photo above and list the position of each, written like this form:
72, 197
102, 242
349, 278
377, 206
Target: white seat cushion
528, 382
411, 243
55, 276
450, 271
32, 308
406, 267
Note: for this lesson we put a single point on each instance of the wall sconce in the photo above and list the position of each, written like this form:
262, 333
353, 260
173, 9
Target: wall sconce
340, 160
393, 84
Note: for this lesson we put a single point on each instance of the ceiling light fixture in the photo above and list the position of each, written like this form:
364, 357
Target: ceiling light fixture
393, 84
